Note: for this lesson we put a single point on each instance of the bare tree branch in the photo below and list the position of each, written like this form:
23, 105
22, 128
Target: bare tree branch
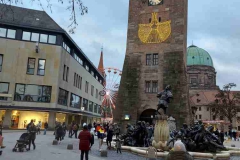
226, 102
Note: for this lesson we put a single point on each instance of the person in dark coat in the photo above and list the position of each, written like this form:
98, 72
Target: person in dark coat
32, 135
45, 128
84, 144
221, 136
109, 137
90, 129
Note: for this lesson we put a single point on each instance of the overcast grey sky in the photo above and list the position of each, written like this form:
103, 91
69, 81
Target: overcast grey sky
213, 25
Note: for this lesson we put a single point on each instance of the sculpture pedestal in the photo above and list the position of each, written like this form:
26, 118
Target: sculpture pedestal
161, 133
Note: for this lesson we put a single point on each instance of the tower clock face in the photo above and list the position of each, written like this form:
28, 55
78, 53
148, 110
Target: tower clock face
154, 2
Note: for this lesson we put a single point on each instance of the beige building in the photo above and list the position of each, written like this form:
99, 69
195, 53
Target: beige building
44, 75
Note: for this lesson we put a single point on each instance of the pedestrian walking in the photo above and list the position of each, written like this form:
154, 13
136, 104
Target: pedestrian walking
117, 131
91, 130
32, 136
75, 130
39, 126
45, 128
84, 144
118, 145
109, 137
101, 136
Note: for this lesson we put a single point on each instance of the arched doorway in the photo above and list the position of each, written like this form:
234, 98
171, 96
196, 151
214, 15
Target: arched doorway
148, 115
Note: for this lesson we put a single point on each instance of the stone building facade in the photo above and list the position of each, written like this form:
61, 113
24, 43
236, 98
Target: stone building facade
44, 75
153, 61
202, 88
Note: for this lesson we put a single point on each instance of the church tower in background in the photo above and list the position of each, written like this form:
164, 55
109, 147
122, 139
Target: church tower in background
155, 57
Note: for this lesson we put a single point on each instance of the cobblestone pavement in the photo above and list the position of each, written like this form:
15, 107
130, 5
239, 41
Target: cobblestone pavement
46, 151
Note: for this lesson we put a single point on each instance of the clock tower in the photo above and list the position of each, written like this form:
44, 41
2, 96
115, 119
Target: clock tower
155, 57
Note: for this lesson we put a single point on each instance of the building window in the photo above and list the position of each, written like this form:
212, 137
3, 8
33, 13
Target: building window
96, 93
196, 116
148, 86
90, 109
64, 69
92, 90
4, 87
80, 82
99, 109
75, 80
193, 80
87, 68
148, 59
52, 39
26, 36
11, 33
159, 19
152, 59
86, 87
155, 86
35, 37
155, 59
97, 78
41, 67
1, 62
3, 32
207, 108
32, 93
67, 74
31, 66
95, 108
92, 73
151, 86
85, 104
75, 101
43, 38
200, 116
62, 97
79, 60
200, 108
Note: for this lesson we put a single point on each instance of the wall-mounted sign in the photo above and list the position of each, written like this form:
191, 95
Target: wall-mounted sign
127, 117
82, 108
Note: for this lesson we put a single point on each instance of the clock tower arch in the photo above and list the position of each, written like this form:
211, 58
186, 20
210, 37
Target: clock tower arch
155, 57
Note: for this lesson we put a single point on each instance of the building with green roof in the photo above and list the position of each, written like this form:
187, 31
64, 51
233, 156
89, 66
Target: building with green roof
200, 69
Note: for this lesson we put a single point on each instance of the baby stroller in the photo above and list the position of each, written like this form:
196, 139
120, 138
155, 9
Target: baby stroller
22, 143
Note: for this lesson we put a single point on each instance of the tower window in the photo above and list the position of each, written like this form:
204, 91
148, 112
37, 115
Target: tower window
193, 80
150, 20
159, 19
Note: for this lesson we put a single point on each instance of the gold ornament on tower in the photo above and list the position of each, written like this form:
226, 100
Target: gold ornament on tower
154, 32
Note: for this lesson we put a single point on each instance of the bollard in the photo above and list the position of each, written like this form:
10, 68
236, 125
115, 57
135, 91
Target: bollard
104, 153
70, 146
55, 142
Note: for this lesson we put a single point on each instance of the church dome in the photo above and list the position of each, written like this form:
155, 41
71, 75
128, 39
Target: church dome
198, 56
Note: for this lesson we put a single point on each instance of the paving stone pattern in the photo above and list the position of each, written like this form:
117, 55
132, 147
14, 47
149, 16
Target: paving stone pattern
46, 151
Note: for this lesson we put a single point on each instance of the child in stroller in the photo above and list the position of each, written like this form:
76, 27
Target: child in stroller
22, 143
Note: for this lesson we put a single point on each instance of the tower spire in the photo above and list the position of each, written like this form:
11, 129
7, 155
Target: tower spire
100, 65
